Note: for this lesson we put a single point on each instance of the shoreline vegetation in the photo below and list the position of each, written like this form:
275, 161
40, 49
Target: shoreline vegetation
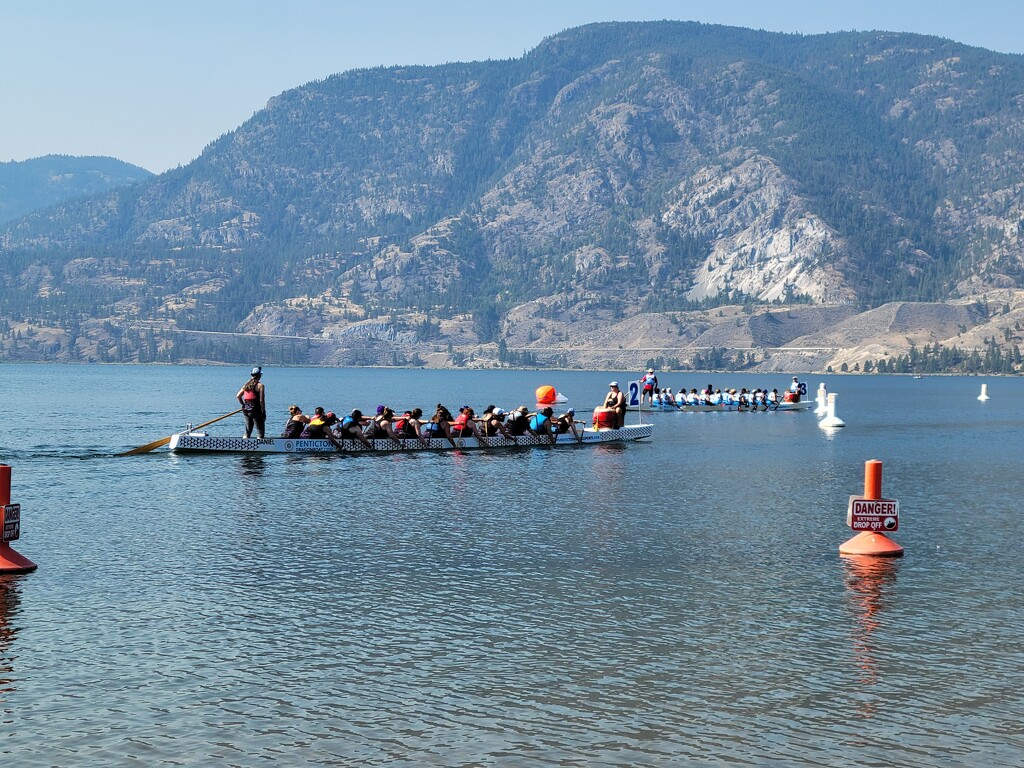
903, 338
931, 360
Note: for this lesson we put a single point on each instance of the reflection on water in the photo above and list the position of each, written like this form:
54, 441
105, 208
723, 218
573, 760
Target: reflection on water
10, 598
252, 465
870, 582
671, 603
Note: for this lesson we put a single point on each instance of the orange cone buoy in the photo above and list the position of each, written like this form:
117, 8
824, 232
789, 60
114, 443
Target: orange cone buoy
870, 515
11, 561
548, 395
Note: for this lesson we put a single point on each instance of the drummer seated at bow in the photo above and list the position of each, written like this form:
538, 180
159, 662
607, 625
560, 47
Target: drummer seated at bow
614, 401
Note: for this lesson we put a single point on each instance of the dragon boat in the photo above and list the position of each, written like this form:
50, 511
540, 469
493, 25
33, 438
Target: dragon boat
803, 405
200, 442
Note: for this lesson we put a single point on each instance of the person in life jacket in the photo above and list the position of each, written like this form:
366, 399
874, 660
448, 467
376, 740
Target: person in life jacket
464, 424
319, 427
253, 399
743, 400
567, 423
648, 383
409, 424
380, 426
439, 425
492, 422
668, 400
518, 423
297, 422
541, 423
351, 427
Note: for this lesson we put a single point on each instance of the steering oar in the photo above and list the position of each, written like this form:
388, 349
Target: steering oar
165, 440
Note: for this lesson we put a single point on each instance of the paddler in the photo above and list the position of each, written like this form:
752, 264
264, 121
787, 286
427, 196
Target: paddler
253, 399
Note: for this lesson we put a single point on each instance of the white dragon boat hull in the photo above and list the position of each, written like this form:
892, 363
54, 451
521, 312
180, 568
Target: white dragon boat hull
197, 442
803, 405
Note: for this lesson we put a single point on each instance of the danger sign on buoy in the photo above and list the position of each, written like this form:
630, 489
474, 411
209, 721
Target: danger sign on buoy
873, 514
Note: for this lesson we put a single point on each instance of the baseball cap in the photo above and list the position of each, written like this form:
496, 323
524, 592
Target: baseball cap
614, 384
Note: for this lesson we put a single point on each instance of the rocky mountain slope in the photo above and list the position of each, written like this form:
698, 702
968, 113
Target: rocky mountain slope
660, 179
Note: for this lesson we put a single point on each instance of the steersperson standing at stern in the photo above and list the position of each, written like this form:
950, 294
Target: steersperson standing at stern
253, 399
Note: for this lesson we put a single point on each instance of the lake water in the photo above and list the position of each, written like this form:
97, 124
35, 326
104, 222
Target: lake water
674, 602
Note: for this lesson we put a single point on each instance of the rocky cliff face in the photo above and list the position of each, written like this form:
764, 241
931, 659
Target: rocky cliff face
767, 243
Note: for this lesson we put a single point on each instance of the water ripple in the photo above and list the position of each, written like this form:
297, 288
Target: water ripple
681, 602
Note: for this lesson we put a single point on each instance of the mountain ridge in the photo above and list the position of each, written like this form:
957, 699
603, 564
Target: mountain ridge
633, 167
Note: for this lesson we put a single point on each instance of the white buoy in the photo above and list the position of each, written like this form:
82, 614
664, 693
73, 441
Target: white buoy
822, 408
984, 393
831, 420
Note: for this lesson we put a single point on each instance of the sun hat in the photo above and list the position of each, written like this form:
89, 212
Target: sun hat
523, 409
650, 370
614, 384
498, 411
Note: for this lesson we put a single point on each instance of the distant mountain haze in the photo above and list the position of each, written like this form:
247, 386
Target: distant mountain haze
41, 182
622, 187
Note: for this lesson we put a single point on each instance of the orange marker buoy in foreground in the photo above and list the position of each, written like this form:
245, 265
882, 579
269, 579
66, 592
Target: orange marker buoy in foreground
870, 515
11, 561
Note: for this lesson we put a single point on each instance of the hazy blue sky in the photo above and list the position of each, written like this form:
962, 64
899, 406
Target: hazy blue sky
154, 82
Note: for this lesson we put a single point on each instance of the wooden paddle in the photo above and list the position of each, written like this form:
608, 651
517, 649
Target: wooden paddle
165, 440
